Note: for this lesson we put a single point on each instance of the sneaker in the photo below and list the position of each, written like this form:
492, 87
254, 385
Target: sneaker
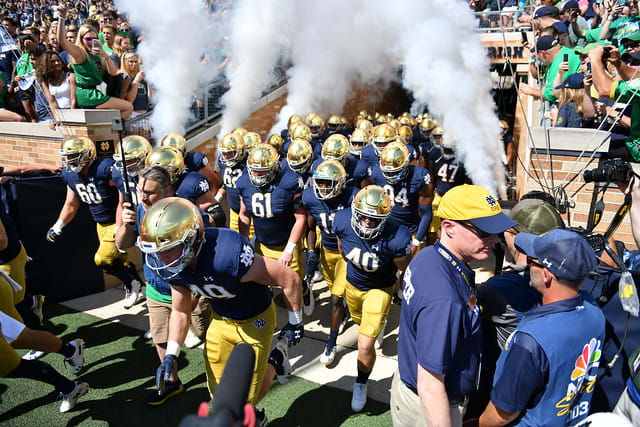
192, 341
171, 388
309, 302
70, 400
343, 323
283, 369
133, 296
76, 361
147, 335
328, 356
380, 337
317, 276
36, 306
359, 398
33, 355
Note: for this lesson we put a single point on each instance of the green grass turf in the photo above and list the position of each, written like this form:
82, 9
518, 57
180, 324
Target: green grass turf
120, 368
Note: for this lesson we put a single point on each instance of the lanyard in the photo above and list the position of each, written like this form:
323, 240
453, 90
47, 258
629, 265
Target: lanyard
454, 262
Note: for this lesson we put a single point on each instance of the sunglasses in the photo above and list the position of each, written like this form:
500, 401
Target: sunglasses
631, 45
533, 261
89, 39
107, 19
469, 226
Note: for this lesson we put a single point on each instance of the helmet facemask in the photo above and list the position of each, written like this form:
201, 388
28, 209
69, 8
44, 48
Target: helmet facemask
74, 162
264, 178
168, 270
371, 232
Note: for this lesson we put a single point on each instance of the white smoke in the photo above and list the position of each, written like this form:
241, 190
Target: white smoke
176, 37
334, 46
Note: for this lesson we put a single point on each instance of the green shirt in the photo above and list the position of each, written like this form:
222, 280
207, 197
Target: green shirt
627, 93
624, 27
592, 36
152, 293
23, 66
574, 67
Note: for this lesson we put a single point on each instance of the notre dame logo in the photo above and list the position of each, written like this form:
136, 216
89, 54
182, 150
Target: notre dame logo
105, 148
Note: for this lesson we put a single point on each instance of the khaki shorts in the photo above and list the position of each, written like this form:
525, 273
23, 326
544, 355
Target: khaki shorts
159, 313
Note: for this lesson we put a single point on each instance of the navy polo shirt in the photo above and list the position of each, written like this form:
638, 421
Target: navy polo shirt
526, 366
439, 322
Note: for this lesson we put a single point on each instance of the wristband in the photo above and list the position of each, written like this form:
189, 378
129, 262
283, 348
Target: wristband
173, 348
416, 242
57, 227
290, 248
218, 197
295, 318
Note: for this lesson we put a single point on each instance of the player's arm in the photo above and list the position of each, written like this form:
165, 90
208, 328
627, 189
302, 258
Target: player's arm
67, 213
244, 219
269, 272
125, 233
402, 262
296, 233
213, 178
119, 209
19, 170
433, 396
311, 232
425, 197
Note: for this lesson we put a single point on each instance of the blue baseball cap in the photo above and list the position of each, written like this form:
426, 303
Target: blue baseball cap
564, 253
571, 4
546, 11
573, 81
546, 43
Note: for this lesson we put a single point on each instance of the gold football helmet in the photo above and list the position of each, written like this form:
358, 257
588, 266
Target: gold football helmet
369, 211
366, 125
262, 163
436, 135
382, 135
328, 179
232, 149
394, 162
336, 147
239, 131
334, 123
136, 148
427, 125
380, 119
406, 132
169, 158
394, 123
76, 152
294, 118
406, 121
300, 156
301, 131
362, 114
316, 124
276, 142
174, 140
169, 224
447, 148
359, 139
251, 139
344, 123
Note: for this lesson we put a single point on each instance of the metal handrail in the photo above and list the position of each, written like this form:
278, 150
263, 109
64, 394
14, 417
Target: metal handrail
489, 21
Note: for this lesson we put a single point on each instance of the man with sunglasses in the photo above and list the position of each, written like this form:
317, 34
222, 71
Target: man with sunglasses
439, 338
547, 372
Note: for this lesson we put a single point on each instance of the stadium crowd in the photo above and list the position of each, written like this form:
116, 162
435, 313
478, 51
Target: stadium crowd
377, 205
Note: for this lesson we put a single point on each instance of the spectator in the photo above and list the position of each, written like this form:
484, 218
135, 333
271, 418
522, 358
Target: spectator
134, 88
24, 77
108, 33
55, 47
121, 45
11, 25
550, 16
71, 36
629, 403
89, 63
574, 108
58, 83
617, 26
575, 23
5, 114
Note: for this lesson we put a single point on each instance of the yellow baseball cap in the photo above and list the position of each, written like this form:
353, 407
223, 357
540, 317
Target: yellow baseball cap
475, 204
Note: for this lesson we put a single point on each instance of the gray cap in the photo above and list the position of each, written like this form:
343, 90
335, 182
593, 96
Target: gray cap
535, 216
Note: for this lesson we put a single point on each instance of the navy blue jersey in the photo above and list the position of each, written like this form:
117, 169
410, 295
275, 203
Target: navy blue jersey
449, 173
13, 238
94, 189
306, 177
191, 185
356, 169
230, 176
428, 151
371, 158
323, 212
225, 257
272, 206
371, 263
195, 160
404, 194
118, 180
315, 145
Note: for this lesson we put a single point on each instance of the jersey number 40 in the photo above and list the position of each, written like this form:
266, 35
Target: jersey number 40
366, 261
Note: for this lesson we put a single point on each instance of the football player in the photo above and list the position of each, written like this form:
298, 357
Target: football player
359, 139
374, 249
89, 180
316, 124
293, 119
136, 148
382, 135
192, 185
232, 161
302, 131
337, 147
195, 161
222, 266
328, 195
276, 142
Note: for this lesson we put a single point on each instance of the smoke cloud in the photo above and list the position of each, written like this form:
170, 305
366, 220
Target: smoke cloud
334, 46
176, 37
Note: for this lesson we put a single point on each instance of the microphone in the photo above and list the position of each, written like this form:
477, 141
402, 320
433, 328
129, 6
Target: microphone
233, 390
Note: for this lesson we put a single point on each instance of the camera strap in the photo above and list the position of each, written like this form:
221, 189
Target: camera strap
596, 208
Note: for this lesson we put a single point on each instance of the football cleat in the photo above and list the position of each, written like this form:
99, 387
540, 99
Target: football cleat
279, 358
136, 148
359, 139
336, 147
394, 162
192, 341
171, 388
76, 152
308, 301
169, 158
36, 307
359, 398
370, 209
232, 149
334, 123
170, 223
133, 296
328, 179
70, 400
276, 142
76, 360
382, 135
33, 355
174, 140
262, 163
251, 140
300, 156
328, 355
